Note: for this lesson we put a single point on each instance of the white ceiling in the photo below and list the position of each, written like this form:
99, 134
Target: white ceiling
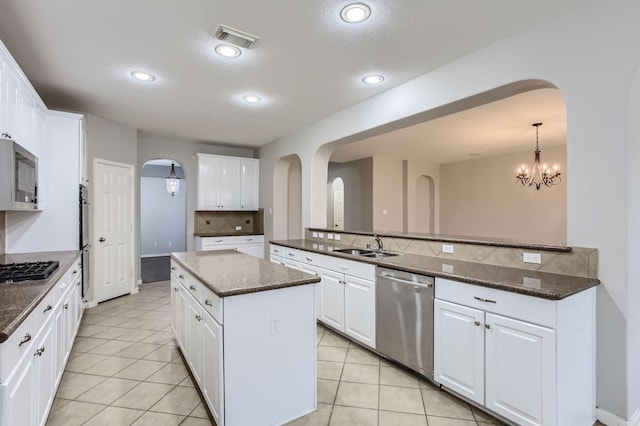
496, 128
307, 64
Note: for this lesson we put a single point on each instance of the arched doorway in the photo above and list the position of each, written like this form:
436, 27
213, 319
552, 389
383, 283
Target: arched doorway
287, 198
163, 218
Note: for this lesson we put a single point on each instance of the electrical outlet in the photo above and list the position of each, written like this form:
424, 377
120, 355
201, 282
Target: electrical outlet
447, 268
274, 324
238, 228
329, 236
314, 234
447, 248
532, 258
320, 235
336, 237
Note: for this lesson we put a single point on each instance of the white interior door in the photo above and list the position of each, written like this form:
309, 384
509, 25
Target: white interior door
338, 208
113, 236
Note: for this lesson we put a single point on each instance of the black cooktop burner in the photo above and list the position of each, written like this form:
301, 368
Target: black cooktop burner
11, 272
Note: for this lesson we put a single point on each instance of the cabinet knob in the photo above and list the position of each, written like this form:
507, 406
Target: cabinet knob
173, 268
477, 323
74, 272
48, 308
39, 351
102, 239
175, 289
198, 317
487, 326
66, 306
181, 277
208, 302
192, 288
27, 337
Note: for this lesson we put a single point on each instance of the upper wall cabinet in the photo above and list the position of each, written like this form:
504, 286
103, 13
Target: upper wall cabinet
20, 106
227, 183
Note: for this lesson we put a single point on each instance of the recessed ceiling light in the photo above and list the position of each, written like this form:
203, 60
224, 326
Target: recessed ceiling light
252, 99
227, 51
143, 76
373, 79
354, 13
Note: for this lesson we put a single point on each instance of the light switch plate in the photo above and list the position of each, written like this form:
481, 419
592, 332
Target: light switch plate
447, 248
532, 258
238, 228
447, 268
320, 235
336, 237
329, 236
314, 234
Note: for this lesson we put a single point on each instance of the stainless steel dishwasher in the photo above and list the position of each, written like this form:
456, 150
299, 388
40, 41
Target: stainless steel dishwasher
404, 318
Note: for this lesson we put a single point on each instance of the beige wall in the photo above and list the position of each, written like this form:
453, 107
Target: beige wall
481, 198
417, 206
388, 201
294, 200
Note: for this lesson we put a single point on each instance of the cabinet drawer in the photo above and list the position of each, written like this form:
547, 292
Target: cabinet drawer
514, 305
211, 302
315, 259
249, 239
356, 269
192, 285
291, 254
276, 250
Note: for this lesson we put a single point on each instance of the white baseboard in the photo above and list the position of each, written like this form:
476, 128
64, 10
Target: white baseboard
611, 419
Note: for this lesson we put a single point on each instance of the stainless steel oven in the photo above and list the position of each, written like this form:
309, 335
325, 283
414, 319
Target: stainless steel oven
84, 245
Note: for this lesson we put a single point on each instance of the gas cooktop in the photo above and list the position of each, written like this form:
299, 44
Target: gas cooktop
12, 272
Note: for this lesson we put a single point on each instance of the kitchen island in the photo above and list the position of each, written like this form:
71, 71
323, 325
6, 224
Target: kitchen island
247, 330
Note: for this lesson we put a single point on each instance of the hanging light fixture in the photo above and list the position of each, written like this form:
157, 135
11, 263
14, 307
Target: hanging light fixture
173, 181
539, 175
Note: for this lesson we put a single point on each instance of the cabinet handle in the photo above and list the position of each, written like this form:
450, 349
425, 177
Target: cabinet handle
39, 351
66, 306
175, 289
27, 337
248, 239
6, 135
477, 323
308, 260
208, 302
276, 251
48, 308
316, 274
78, 284
487, 326
291, 254
198, 317
173, 268
192, 288
74, 272
484, 300
282, 263
217, 241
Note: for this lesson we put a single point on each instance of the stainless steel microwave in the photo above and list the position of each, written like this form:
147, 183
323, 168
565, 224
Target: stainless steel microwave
18, 177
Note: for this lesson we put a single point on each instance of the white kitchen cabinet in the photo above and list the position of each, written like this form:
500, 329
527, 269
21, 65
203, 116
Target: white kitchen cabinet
249, 184
227, 183
516, 354
345, 297
33, 358
194, 328
249, 244
212, 365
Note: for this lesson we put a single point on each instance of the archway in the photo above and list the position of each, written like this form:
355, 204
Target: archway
163, 218
287, 198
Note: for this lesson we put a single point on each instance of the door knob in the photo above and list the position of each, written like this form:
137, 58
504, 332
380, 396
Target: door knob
102, 239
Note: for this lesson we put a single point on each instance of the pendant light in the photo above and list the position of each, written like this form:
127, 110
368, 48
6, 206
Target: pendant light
173, 181
539, 175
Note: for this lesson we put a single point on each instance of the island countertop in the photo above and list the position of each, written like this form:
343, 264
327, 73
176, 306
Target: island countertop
532, 283
19, 299
231, 273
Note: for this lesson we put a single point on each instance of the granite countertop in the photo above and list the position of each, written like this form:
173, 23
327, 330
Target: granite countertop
532, 283
230, 273
20, 299
225, 234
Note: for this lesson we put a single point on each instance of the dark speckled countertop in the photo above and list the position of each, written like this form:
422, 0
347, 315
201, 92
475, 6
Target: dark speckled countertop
230, 273
538, 284
19, 299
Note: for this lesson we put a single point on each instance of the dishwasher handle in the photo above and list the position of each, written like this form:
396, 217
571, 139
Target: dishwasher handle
416, 283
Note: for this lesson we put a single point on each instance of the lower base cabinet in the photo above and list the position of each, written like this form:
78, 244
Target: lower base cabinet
517, 355
248, 372
44, 343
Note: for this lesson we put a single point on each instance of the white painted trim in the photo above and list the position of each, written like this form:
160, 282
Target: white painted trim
611, 419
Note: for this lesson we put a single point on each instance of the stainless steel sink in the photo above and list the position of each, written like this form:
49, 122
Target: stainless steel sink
367, 253
379, 254
355, 252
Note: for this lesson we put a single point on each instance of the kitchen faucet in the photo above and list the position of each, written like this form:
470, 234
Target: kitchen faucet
379, 241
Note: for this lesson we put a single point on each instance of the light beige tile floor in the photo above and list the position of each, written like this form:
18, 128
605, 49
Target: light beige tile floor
125, 369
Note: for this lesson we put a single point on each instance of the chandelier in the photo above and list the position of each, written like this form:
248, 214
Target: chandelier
173, 181
539, 175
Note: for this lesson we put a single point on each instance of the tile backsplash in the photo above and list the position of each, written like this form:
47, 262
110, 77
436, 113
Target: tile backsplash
213, 223
578, 261
2, 232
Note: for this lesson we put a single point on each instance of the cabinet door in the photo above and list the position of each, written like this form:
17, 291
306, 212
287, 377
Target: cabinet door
520, 371
332, 299
183, 310
256, 250
213, 367
45, 373
249, 184
208, 182
458, 349
313, 270
194, 329
12, 105
229, 184
175, 306
360, 309
60, 341
18, 395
